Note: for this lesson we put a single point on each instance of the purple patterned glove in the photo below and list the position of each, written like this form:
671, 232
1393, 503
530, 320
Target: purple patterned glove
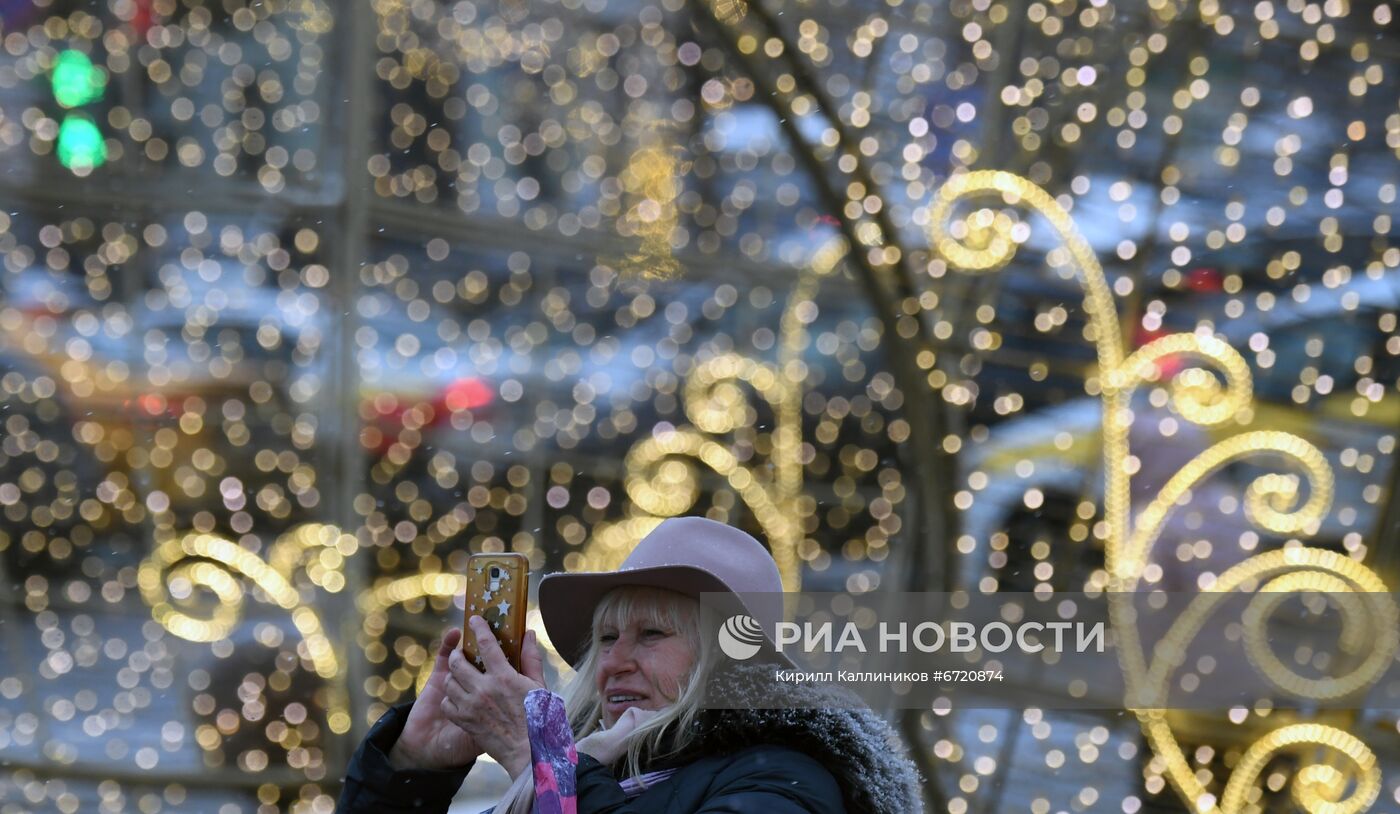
552, 752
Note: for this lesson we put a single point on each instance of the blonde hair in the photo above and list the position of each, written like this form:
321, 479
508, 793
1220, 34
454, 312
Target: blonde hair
668, 732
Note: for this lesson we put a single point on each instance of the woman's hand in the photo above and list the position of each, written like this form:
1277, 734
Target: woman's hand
430, 740
491, 704
607, 745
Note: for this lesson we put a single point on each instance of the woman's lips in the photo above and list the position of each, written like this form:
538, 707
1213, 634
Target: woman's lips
618, 702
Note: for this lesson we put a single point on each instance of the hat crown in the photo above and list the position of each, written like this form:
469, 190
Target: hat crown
728, 554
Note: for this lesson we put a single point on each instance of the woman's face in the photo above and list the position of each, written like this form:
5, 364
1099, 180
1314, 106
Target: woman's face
640, 664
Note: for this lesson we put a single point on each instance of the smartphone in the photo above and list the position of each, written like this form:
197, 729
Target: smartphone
497, 591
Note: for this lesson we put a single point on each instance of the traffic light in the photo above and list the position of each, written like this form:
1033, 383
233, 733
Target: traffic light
77, 82
80, 143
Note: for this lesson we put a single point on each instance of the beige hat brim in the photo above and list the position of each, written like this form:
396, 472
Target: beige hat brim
567, 601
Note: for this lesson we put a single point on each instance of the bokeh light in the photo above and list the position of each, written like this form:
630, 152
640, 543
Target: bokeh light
302, 303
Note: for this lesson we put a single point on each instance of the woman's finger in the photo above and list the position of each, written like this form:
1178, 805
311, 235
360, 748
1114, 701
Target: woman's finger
532, 659
464, 671
460, 709
488, 648
450, 640
456, 714
455, 691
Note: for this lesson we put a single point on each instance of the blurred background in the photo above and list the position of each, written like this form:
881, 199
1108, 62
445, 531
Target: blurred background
303, 302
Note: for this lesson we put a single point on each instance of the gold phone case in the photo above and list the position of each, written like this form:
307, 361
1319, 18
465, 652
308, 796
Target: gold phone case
497, 591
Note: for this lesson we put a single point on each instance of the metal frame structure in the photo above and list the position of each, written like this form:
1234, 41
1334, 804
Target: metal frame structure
353, 210
348, 209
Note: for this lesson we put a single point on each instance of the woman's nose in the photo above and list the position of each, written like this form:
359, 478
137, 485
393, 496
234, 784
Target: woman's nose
618, 657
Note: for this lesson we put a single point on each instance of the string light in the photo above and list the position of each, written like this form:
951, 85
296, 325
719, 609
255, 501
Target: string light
594, 327
662, 484
215, 558
985, 241
652, 182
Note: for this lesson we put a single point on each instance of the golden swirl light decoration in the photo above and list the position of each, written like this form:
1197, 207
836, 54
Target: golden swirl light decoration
986, 240
663, 480
1275, 575
170, 577
1268, 499
1195, 392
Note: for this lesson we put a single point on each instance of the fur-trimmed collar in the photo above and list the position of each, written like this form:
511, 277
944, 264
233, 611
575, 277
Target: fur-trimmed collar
859, 748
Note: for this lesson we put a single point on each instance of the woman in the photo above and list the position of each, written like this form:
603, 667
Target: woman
644, 741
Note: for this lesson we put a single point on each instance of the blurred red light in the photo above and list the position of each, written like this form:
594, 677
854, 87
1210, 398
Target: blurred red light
467, 394
152, 403
1204, 278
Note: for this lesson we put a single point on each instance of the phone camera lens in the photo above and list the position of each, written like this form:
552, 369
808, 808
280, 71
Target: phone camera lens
496, 572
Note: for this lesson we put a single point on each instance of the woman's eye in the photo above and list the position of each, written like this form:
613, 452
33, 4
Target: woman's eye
654, 633
607, 638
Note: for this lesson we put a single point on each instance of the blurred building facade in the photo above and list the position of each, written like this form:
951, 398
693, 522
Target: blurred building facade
304, 302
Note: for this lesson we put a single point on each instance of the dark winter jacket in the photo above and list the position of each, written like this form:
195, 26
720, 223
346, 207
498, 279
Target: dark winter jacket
814, 760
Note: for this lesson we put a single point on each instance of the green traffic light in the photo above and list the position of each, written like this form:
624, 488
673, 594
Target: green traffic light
75, 81
80, 144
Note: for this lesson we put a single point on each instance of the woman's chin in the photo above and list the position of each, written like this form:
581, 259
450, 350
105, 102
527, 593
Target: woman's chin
612, 711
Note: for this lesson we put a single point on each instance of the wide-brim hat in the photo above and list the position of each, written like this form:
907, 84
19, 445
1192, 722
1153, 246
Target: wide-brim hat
688, 555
